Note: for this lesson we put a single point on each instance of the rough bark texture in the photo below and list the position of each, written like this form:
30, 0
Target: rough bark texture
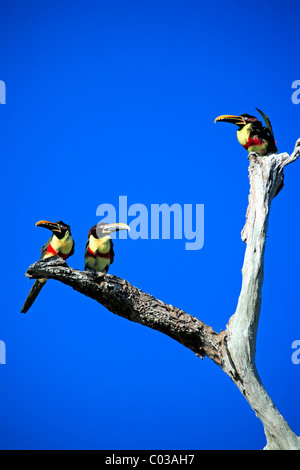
127, 301
233, 349
266, 179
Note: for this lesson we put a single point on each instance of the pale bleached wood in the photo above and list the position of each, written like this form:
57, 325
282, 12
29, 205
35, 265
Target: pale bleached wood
266, 178
233, 349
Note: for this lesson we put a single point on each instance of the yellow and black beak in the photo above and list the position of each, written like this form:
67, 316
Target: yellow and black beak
110, 228
237, 120
53, 226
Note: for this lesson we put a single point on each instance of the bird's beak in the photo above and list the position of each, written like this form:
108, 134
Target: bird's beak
53, 226
110, 228
237, 120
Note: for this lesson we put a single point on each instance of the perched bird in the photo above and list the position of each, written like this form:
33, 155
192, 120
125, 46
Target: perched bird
99, 251
60, 244
251, 133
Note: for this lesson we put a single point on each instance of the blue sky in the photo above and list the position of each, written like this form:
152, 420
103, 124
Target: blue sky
119, 98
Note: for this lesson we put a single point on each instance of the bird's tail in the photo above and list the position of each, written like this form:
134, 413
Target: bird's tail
269, 126
34, 292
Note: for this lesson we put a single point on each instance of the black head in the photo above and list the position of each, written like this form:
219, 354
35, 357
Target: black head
59, 229
248, 118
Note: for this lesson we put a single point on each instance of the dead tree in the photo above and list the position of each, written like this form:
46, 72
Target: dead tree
233, 349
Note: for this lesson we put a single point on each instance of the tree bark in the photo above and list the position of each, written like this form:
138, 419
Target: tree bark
233, 349
266, 180
127, 301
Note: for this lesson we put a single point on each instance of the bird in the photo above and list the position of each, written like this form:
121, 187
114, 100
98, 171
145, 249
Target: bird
252, 134
60, 244
99, 251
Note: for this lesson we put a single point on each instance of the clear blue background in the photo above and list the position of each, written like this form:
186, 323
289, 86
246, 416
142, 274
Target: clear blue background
110, 98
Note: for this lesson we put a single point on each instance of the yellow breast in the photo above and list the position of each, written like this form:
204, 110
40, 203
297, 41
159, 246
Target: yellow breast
99, 244
243, 134
63, 245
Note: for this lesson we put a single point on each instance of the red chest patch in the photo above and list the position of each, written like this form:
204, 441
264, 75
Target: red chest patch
104, 255
253, 141
91, 254
50, 250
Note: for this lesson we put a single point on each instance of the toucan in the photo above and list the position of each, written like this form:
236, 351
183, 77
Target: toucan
99, 251
60, 244
252, 134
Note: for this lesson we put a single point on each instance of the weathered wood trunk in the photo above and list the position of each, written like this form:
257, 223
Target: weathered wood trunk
233, 349
266, 179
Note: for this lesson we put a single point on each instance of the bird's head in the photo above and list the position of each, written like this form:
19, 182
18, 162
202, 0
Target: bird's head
102, 230
59, 229
239, 121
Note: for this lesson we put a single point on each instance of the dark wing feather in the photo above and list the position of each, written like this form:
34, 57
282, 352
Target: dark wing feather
267, 121
86, 247
269, 130
112, 253
73, 249
45, 247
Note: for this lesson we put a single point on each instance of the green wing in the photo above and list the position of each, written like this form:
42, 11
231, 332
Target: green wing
45, 247
86, 248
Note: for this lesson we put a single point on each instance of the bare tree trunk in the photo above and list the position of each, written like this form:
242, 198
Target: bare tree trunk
233, 349
266, 179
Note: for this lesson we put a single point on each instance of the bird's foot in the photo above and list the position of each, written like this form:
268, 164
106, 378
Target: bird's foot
54, 260
91, 271
95, 273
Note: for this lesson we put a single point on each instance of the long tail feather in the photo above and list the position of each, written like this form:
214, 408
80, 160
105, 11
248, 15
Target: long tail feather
267, 121
273, 148
34, 292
